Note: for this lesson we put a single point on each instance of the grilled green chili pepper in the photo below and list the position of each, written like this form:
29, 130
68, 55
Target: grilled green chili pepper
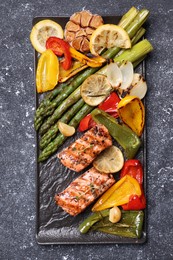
130, 224
121, 133
91, 220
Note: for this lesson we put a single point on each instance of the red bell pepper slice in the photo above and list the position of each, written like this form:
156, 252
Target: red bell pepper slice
134, 168
60, 47
109, 105
135, 202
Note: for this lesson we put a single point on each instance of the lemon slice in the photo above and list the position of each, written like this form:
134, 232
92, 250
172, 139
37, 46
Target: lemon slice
41, 31
65, 129
107, 36
111, 160
95, 89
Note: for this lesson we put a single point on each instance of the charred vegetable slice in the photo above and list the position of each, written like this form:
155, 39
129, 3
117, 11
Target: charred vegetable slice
130, 225
118, 194
139, 86
121, 133
132, 112
76, 67
47, 71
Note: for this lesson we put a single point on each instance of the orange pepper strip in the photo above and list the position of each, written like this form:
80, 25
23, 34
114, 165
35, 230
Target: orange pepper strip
118, 194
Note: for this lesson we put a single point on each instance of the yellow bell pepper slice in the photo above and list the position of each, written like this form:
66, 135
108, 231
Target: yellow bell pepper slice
132, 112
47, 71
76, 67
91, 62
118, 194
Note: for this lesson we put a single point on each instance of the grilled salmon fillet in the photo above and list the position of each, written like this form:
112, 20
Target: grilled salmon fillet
83, 191
84, 150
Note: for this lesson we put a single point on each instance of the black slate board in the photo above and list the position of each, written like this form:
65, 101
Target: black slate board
53, 225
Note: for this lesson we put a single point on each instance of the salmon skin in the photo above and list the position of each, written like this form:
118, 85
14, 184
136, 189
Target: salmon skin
83, 191
84, 150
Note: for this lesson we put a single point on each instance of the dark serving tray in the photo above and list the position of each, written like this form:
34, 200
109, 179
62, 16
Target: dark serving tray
53, 225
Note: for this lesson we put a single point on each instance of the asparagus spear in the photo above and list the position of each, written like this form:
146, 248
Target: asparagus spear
58, 141
42, 113
49, 97
136, 52
51, 134
72, 99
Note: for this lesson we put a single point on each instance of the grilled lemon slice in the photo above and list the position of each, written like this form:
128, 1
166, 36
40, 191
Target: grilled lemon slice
95, 89
111, 160
41, 31
107, 36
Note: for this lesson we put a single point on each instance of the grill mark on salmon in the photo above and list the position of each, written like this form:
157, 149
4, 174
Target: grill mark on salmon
83, 191
84, 150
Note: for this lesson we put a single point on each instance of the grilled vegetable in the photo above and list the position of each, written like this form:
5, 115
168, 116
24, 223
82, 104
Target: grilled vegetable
47, 71
46, 102
121, 133
91, 62
83, 191
76, 67
109, 105
136, 52
52, 132
114, 75
79, 29
69, 101
134, 169
84, 150
132, 112
118, 194
138, 86
130, 225
48, 110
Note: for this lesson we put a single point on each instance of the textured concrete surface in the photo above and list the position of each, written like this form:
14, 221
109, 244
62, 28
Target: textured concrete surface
17, 143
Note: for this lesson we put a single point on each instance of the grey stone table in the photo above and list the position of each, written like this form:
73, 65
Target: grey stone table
17, 137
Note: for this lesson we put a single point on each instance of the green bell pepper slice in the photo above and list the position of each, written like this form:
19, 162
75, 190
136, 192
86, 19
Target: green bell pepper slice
121, 133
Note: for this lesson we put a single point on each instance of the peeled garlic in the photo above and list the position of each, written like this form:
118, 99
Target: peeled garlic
65, 129
114, 214
139, 86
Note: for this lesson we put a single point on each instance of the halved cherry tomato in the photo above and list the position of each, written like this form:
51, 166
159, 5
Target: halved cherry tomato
60, 47
109, 105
